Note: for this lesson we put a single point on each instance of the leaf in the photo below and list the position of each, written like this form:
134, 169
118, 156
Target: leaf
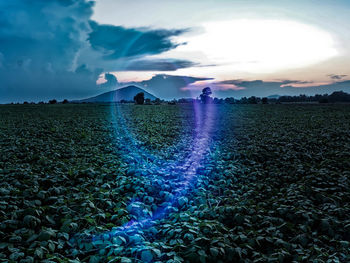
39, 252
214, 252
94, 259
146, 256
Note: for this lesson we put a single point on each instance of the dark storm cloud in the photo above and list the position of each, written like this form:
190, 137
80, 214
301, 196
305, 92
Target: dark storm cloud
158, 65
52, 49
119, 42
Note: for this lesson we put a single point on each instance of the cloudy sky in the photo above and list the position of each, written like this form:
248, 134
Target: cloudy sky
64, 48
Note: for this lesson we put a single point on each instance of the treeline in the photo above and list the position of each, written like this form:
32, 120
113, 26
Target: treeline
53, 101
335, 97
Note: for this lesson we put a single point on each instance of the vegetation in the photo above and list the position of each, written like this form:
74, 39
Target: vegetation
337, 96
205, 96
139, 98
148, 101
274, 187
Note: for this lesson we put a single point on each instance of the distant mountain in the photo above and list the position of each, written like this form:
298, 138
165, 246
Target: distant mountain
126, 93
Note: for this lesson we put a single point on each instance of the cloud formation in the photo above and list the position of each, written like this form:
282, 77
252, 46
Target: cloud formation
245, 88
51, 49
118, 42
337, 76
158, 65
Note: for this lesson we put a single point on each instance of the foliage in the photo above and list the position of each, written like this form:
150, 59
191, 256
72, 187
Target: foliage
275, 186
337, 96
157, 101
205, 96
139, 98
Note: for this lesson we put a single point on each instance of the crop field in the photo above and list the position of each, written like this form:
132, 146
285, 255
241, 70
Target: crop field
174, 183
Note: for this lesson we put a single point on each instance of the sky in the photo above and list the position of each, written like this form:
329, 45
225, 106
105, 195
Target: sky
74, 49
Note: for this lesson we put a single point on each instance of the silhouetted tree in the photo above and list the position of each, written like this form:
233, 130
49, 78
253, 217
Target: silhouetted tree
65, 101
26, 102
339, 96
53, 101
229, 100
139, 98
252, 100
243, 100
157, 101
205, 96
148, 101
218, 101
264, 100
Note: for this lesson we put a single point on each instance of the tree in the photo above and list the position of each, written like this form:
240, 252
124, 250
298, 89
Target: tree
244, 100
53, 101
252, 100
229, 100
339, 96
139, 98
264, 100
157, 101
148, 101
65, 101
218, 101
205, 96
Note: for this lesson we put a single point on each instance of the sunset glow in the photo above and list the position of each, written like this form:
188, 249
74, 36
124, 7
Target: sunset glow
259, 46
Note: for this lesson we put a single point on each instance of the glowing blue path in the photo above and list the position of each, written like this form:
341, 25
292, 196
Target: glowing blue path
182, 173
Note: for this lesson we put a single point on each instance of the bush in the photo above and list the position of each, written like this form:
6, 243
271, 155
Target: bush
264, 100
53, 101
148, 101
65, 101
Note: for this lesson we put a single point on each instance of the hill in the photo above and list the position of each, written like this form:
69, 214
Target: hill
126, 93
